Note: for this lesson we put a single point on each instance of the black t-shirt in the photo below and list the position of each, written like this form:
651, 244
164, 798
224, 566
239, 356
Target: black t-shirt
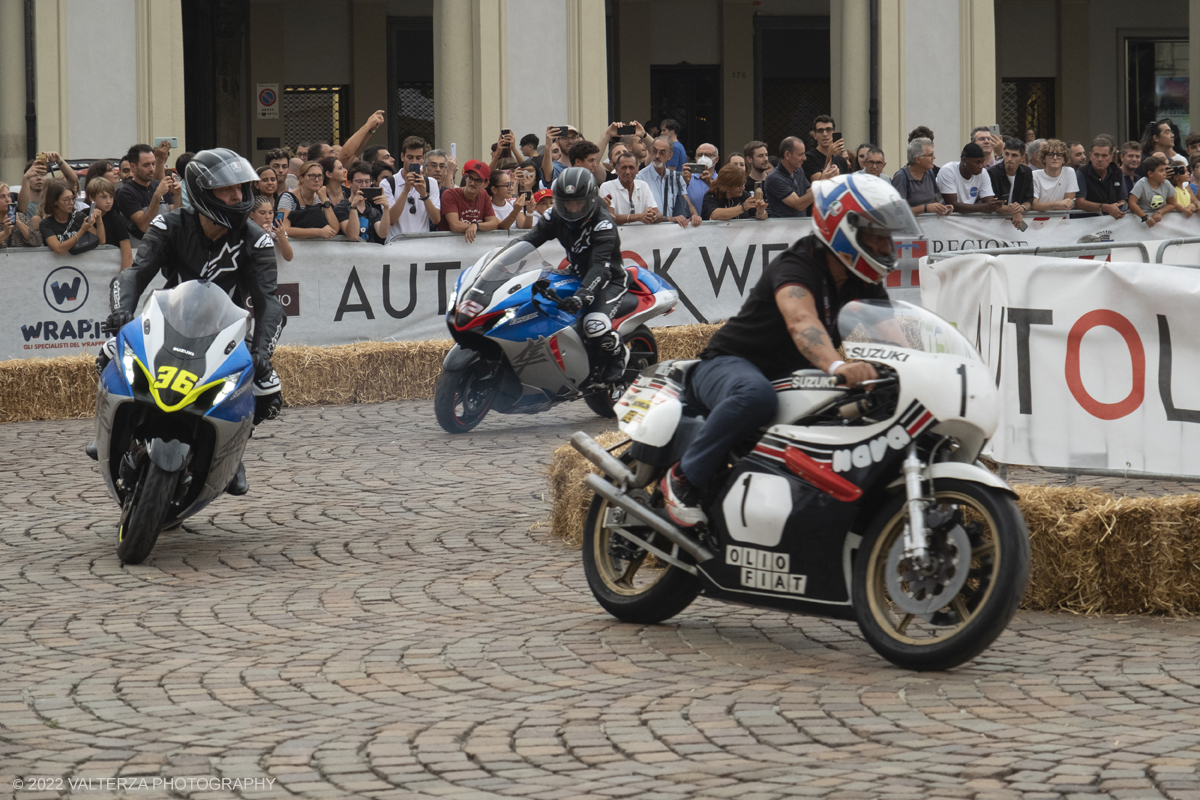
712, 203
131, 198
758, 332
116, 227
814, 162
366, 223
51, 228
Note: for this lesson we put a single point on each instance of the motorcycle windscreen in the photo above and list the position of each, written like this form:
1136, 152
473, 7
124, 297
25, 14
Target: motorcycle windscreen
898, 324
513, 259
182, 327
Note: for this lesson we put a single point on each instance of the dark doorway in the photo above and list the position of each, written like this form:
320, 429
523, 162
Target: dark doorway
1027, 103
1156, 85
690, 95
410, 76
791, 77
215, 74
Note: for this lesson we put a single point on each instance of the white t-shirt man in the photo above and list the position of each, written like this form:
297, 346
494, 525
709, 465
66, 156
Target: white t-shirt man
969, 190
413, 217
642, 198
1047, 189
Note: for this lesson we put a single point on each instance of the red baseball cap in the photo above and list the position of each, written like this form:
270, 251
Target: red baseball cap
479, 168
542, 194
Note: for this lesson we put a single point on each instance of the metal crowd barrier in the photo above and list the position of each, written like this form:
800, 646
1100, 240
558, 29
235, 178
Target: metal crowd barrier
1162, 247
1066, 250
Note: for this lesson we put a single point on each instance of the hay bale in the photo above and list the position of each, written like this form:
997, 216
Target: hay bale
48, 388
569, 496
1055, 580
683, 341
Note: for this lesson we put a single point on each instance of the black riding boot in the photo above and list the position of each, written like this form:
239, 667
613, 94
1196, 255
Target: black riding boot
238, 485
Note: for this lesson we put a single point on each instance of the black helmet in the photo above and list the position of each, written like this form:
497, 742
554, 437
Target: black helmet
574, 184
213, 169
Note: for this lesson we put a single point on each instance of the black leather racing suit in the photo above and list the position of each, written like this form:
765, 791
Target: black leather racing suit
240, 262
594, 254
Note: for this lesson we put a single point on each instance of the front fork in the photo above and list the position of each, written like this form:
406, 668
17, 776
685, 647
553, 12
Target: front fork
916, 540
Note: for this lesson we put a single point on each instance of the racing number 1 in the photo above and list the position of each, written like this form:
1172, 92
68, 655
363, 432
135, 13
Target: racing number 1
184, 380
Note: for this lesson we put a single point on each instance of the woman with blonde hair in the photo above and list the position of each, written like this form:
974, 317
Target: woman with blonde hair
307, 212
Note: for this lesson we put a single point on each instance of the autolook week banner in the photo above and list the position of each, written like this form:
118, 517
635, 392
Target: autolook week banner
342, 292
1098, 364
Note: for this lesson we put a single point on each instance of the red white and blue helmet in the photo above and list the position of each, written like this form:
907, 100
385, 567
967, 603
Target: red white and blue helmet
849, 206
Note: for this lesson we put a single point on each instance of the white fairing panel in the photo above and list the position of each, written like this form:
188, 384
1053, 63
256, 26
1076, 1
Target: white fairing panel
757, 508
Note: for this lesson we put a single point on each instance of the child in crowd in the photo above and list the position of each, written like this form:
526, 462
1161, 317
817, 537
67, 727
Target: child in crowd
263, 215
1183, 200
543, 201
1148, 200
112, 227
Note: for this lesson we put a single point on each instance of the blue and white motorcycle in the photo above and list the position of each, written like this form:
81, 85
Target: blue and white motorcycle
174, 411
517, 352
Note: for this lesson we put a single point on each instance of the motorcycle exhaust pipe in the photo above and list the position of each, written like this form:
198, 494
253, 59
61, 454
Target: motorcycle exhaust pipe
646, 516
590, 449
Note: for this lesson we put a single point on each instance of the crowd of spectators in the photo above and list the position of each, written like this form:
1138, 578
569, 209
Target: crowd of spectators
363, 193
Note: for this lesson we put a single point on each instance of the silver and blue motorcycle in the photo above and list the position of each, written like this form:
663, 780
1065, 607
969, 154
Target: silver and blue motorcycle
174, 410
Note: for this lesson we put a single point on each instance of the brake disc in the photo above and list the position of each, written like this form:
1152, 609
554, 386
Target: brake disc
923, 591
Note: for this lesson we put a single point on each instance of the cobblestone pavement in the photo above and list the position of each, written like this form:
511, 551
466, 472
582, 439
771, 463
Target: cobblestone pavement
381, 618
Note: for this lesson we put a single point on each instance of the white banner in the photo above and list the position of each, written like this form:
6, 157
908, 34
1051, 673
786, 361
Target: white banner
1098, 364
339, 292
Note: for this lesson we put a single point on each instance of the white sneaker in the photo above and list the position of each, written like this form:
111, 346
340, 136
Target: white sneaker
682, 499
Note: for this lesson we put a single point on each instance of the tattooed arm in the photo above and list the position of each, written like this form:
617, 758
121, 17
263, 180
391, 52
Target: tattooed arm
800, 313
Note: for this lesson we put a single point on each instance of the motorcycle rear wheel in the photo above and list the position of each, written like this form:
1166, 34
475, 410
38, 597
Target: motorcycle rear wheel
139, 528
643, 351
971, 620
628, 582
459, 403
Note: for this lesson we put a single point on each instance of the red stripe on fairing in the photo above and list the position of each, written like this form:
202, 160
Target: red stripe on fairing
557, 355
767, 450
481, 319
920, 423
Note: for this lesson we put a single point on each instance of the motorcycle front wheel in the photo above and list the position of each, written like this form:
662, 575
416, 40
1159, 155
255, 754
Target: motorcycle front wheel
462, 398
629, 582
149, 505
972, 609
643, 351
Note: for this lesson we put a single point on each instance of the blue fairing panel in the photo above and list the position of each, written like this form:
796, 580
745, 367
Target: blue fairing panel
653, 282
240, 403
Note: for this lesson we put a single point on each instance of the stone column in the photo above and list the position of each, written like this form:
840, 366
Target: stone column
977, 57
160, 91
1194, 63
737, 63
893, 109
12, 90
854, 67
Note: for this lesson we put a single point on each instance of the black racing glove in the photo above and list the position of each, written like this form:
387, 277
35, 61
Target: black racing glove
267, 406
116, 320
262, 368
571, 304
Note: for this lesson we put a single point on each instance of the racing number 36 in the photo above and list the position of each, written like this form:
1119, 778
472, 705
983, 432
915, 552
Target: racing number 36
183, 380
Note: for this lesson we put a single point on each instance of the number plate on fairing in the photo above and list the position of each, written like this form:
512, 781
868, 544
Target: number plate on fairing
651, 407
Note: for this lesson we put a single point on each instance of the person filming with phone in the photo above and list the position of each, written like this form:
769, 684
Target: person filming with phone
414, 201
829, 159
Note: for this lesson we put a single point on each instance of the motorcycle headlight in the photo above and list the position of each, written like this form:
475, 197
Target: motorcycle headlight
453, 298
127, 360
512, 312
231, 382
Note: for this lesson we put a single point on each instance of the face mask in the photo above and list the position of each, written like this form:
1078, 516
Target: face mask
705, 160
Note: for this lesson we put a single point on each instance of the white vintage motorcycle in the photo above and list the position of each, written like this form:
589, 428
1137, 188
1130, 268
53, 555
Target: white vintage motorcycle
864, 503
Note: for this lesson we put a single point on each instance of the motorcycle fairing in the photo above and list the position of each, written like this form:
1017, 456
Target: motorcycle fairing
764, 506
792, 562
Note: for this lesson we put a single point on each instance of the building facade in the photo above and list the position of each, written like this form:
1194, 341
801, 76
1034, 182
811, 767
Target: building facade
255, 74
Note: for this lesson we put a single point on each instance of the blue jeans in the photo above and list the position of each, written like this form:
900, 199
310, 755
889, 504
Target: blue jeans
739, 399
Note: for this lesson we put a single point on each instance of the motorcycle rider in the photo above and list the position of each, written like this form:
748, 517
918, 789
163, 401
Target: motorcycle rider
212, 239
585, 228
789, 322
